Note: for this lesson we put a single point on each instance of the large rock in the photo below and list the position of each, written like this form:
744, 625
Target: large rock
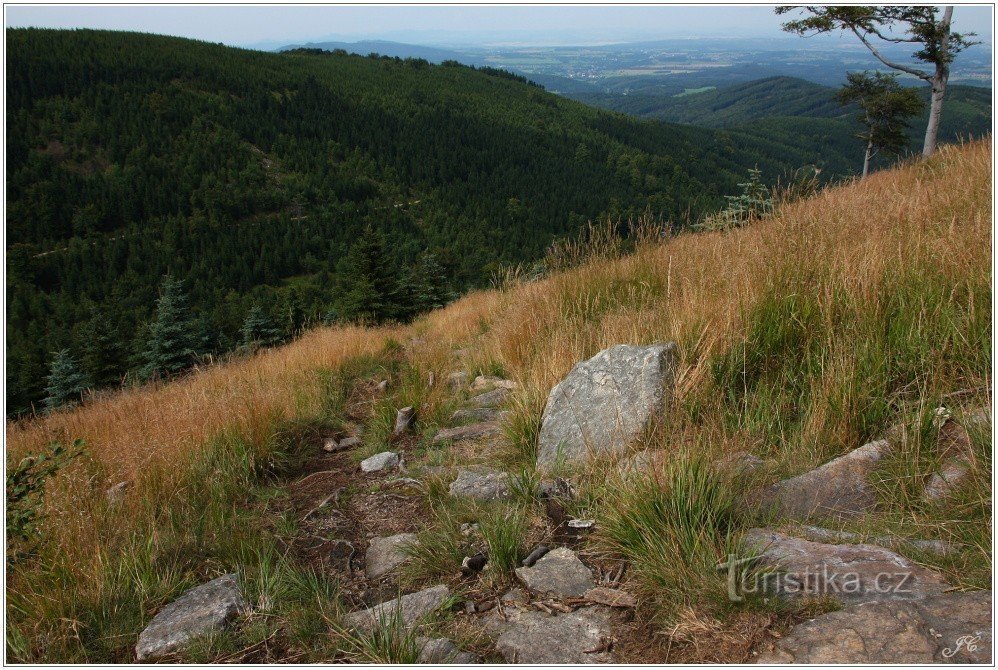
606, 403
948, 628
440, 650
559, 573
471, 432
199, 611
385, 554
410, 609
481, 485
848, 573
839, 489
579, 637
493, 398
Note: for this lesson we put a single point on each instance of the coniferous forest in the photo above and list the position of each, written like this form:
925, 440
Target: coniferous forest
172, 200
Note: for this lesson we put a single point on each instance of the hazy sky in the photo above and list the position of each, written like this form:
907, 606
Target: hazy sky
260, 25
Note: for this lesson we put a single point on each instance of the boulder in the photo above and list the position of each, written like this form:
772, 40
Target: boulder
481, 485
493, 398
403, 420
946, 628
385, 554
378, 462
576, 638
471, 432
839, 489
199, 611
477, 414
560, 573
439, 651
848, 573
606, 403
410, 609
483, 382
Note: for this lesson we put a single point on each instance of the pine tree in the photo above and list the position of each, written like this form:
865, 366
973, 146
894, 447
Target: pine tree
372, 293
432, 288
173, 335
259, 329
103, 354
66, 382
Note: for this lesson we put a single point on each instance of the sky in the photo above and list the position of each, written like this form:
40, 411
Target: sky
273, 26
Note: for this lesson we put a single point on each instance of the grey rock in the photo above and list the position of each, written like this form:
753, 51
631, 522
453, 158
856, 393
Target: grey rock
493, 398
606, 403
378, 462
575, 638
481, 485
560, 573
457, 380
483, 382
348, 442
385, 554
403, 420
472, 432
330, 445
953, 473
382, 386
838, 489
199, 611
410, 609
848, 573
947, 628
439, 651
477, 414
816, 534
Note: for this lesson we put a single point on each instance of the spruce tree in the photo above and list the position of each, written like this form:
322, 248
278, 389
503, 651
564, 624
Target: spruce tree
66, 381
372, 293
259, 329
432, 288
103, 354
173, 335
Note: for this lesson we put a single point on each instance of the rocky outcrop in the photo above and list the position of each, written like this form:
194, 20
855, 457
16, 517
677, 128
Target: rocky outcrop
560, 573
606, 403
385, 554
199, 611
847, 573
481, 485
408, 609
946, 628
839, 489
580, 637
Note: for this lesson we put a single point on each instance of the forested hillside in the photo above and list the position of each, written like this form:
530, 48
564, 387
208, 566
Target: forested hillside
248, 176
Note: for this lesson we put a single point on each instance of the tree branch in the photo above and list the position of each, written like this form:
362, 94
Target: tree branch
896, 66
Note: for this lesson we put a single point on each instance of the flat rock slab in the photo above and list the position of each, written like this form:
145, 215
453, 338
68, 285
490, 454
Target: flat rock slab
199, 611
947, 628
849, 573
410, 609
816, 534
379, 462
559, 572
472, 432
839, 489
481, 485
604, 404
493, 398
483, 382
385, 554
575, 638
478, 414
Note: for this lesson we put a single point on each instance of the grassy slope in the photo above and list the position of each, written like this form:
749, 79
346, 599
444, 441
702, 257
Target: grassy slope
801, 337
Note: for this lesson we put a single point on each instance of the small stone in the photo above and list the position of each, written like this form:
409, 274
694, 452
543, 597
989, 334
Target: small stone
473, 432
483, 382
602, 595
457, 380
378, 462
410, 608
199, 611
469, 528
330, 445
493, 398
559, 572
403, 420
581, 524
535, 555
382, 386
431, 379
348, 442
485, 485
951, 475
386, 553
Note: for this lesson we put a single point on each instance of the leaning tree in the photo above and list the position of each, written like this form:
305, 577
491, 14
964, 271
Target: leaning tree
883, 25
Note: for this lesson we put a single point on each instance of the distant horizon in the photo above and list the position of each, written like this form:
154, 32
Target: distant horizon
267, 28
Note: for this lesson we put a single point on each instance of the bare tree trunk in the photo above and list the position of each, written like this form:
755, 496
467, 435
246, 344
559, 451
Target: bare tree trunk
866, 159
938, 87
